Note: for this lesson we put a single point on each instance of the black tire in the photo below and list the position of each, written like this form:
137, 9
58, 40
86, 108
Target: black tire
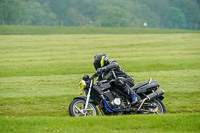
161, 106
73, 111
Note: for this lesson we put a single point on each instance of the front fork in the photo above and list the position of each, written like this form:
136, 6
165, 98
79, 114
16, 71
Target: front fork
88, 98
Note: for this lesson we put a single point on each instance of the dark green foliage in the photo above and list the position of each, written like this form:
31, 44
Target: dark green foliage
177, 14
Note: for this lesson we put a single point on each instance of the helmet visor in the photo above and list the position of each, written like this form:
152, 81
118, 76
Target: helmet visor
96, 65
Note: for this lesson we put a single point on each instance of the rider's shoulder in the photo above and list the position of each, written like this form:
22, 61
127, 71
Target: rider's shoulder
113, 61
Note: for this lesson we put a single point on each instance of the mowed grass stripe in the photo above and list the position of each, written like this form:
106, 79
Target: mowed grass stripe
57, 105
51, 95
173, 81
119, 124
40, 55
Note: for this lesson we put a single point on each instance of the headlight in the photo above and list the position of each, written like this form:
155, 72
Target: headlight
82, 84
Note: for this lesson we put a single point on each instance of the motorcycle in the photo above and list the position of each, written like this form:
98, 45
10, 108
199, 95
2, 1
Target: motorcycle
112, 101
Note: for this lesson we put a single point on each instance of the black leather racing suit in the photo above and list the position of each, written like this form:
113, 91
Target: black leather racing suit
123, 81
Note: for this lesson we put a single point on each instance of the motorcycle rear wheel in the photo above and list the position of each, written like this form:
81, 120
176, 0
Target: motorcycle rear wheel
77, 106
160, 109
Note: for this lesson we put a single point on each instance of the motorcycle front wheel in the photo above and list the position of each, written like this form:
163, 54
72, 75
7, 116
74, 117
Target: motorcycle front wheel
77, 108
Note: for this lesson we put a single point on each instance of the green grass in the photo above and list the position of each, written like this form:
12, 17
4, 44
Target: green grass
39, 77
46, 30
119, 124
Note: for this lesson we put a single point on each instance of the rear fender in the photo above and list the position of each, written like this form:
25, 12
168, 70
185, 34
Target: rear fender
161, 98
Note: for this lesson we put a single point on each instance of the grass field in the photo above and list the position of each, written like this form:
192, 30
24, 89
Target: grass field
39, 77
46, 30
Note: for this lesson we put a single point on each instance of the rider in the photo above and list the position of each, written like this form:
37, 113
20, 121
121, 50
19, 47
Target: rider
105, 70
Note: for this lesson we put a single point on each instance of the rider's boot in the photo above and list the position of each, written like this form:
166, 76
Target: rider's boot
134, 98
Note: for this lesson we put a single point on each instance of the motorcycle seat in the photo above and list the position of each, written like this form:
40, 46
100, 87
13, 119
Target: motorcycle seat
138, 85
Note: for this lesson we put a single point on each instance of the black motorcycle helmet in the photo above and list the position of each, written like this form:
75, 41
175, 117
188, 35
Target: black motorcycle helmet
100, 60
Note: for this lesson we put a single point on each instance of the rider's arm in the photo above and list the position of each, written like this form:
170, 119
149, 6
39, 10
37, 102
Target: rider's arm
113, 65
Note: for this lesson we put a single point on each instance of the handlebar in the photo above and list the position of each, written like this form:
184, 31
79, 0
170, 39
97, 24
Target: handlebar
94, 76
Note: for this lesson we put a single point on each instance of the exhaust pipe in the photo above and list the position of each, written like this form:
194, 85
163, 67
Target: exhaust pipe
157, 93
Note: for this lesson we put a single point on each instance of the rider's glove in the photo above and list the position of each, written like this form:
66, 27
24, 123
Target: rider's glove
100, 70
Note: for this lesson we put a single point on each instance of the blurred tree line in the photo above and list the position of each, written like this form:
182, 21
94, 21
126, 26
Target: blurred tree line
181, 14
